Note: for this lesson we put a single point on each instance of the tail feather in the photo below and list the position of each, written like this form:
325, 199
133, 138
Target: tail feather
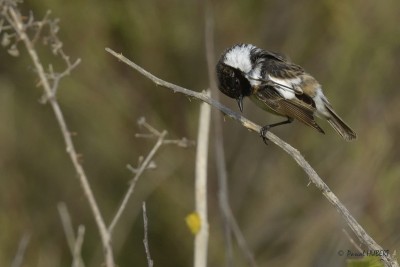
340, 126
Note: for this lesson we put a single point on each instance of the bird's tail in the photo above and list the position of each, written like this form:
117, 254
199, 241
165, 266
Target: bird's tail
340, 126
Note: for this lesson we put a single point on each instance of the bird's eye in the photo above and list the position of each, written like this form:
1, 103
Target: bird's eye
237, 82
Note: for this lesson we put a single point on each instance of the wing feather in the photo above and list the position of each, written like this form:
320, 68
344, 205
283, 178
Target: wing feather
293, 108
279, 66
282, 69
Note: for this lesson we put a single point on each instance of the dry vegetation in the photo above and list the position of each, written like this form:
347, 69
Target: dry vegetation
353, 48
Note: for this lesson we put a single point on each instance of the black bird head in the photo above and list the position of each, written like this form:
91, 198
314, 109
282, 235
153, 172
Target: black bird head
231, 72
233, 83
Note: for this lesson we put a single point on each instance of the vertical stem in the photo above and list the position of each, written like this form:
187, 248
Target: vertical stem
17, 23
201, 240
223, 197
146, 239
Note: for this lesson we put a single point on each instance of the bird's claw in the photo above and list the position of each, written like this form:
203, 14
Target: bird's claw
263, 133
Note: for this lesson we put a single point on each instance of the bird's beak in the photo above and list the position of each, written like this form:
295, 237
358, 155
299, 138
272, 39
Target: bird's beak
240, 102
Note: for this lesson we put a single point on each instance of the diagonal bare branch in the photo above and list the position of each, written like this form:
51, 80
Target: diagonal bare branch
358, 230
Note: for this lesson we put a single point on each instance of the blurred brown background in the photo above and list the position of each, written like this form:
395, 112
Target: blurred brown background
351, 47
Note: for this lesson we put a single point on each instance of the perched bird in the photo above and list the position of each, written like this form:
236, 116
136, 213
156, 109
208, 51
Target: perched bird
276, 85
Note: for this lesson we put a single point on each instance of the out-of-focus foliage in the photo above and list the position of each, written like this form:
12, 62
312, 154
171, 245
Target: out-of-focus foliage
351, 47
369, 261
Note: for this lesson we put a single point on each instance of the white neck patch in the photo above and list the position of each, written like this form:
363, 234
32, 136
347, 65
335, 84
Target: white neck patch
239, 57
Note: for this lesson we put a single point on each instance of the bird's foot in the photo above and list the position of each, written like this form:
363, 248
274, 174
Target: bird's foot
263, 133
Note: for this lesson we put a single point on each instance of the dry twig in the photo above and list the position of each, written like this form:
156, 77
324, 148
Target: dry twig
69, 234
77, 259
358, 230
138, 171
144, 164
352, 241
50, 81
146, 239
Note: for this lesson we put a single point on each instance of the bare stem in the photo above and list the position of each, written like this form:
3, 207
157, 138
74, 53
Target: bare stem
69, 231
138, 173
352, 241
201, 240
77, 259
223, 197
146, 239
15, 19
239, 237
358, 230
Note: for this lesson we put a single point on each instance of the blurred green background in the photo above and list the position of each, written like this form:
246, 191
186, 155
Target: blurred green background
351, 47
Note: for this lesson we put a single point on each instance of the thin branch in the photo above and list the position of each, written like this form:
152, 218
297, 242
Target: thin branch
352, 241
67, 225
77, 259
23, 245
16, 21
201, 240
138, 172
229, 221
239, 237
145, 239
142, 122
361, 234
68, 230
40, 25
145, 164
223, 197
183, 142
56, 77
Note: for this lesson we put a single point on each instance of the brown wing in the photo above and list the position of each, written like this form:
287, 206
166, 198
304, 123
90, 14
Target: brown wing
279, 66
293, 108
282, 70
275, 55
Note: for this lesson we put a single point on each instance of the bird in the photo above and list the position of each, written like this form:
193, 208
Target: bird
277, 85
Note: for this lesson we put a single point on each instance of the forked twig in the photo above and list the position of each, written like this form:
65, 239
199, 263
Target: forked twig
138, 172
144, 164
69, 234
